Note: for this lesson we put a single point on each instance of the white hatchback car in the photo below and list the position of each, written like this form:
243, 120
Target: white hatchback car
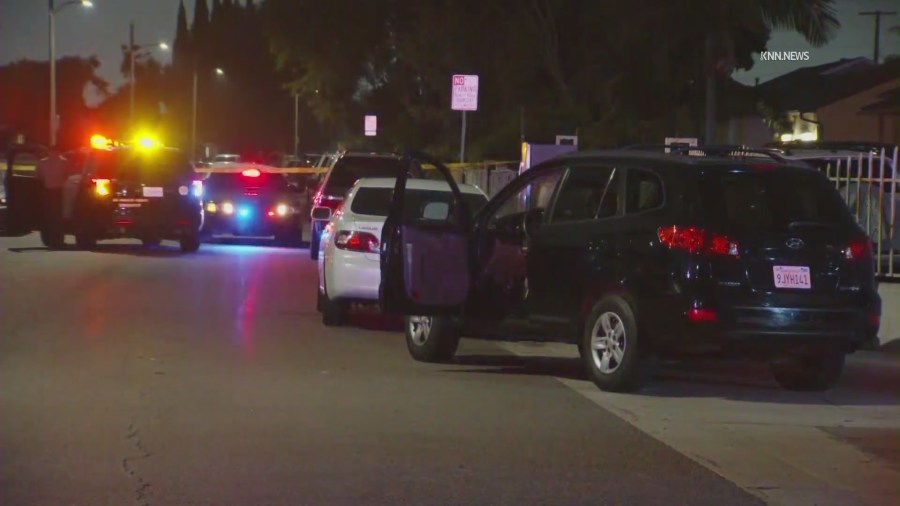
350, 263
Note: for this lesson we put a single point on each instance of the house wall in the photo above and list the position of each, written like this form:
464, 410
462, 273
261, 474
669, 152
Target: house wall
842, 121
747, 131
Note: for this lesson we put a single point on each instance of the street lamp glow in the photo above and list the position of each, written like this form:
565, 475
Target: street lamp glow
87, 3
163, 46
219, 71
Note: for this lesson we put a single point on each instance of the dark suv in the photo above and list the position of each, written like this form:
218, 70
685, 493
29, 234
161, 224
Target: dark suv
345, 170
636, 255
149, 194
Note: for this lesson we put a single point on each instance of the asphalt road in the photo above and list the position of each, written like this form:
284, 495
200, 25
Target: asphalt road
147, 377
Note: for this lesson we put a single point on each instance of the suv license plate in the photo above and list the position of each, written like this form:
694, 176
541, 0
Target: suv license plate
153, 191
791, 276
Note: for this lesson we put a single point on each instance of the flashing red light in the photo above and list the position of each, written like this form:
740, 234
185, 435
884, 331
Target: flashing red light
250, 173
698, 240
702, 315
875, 320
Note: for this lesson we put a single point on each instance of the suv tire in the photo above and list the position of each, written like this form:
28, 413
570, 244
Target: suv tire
610, 349
811, 372
52, 240
190, 244
431, 338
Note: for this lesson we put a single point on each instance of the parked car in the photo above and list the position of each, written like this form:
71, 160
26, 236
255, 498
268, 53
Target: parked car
634, 255
348, 264
344, 171
245, 200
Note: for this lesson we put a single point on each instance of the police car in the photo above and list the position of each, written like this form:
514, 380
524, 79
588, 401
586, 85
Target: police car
140, 190
250, 200
143, 191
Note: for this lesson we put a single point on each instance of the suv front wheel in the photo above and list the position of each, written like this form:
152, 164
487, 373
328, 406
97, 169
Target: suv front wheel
609, 346
431, 338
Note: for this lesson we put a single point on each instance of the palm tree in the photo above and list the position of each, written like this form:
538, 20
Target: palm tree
814, 19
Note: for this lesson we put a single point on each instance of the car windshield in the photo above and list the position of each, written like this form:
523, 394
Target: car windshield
156, 166
377, 201
235, 181
770, 200
350, 169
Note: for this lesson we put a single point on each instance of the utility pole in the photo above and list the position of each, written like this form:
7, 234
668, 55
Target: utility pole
51, 10
194, 118
877, 15
131, 51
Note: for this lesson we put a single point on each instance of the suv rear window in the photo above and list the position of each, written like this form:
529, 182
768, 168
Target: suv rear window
377, 201
223, 181
350, 169
149, 167
767, 200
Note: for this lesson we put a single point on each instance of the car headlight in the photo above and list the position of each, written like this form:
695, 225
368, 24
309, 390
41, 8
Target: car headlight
282, 209
228, 208
211, 207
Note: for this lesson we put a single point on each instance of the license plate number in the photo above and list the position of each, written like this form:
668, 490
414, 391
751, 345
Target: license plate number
153, 191
792, 276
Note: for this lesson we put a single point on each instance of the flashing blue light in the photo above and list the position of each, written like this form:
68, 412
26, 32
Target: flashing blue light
197, 187
244, 212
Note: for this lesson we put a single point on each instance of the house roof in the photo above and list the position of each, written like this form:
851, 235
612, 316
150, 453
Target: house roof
809, 88
888, 103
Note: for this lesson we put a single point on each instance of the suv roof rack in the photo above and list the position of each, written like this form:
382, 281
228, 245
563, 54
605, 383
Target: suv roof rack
726, 151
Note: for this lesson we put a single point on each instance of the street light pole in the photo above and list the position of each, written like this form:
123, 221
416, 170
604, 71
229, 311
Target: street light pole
194, 120
131, 51
52, 9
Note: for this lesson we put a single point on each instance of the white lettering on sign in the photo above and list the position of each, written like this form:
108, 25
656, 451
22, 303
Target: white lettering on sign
371, 125
464, 93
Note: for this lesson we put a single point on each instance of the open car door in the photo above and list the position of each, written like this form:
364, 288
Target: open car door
425, 254
23, 209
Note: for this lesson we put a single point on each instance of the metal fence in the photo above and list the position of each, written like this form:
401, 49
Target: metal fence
870, 186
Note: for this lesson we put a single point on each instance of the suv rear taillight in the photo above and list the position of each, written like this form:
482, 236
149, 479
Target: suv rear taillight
363, 242
101, 187
858, 249
698, 240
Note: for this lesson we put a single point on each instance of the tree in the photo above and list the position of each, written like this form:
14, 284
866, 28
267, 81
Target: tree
181, 47
25, 107
815, 20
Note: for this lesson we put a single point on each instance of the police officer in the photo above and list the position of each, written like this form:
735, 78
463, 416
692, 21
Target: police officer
51, 174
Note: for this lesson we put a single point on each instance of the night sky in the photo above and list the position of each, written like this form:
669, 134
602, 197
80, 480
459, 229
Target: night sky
102, 29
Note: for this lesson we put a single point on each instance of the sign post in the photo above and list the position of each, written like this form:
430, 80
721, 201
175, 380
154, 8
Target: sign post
464, 97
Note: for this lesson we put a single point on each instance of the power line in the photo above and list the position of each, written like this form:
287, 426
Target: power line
877, 14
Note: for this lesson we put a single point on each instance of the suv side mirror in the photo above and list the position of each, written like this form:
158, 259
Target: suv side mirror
321, 213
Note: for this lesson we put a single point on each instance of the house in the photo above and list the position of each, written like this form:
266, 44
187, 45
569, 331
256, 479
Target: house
838, 101
887, 111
